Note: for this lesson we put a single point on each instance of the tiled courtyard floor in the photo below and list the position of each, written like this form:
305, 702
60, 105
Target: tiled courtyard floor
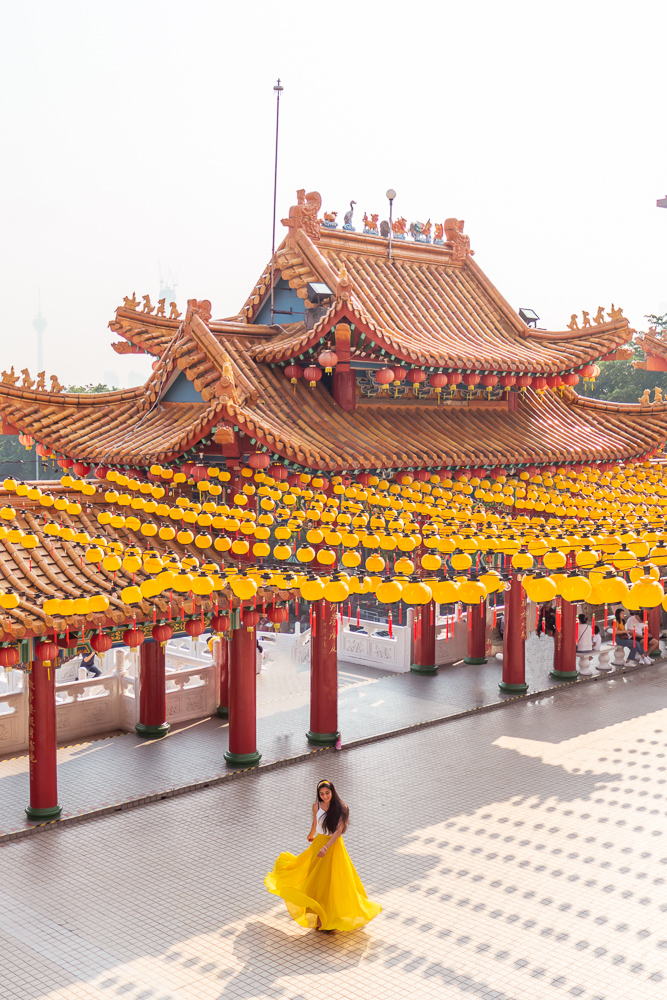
103, 773
518, 855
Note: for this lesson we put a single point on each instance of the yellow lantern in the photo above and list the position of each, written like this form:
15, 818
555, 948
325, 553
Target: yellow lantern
404, 566
645, 593
375, 563
575, 588
312, 589
128, 595
460, 561
430, 562
539, 588
389, 591
326, 557
491, 580
522, 560
244, 587
416, 592
613, 589
98, 603
336, 591
445, 591
261, 550
554, 559
351, 559
471, 591
111, 563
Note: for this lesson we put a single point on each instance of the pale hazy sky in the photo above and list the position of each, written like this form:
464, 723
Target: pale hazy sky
139, 135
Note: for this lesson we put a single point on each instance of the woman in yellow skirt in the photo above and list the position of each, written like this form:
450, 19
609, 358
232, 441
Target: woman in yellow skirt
320, 887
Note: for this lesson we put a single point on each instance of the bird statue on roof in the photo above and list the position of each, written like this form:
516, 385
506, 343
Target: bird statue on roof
347, 218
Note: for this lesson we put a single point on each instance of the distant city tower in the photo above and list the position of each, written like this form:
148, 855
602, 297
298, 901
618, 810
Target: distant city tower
39, 326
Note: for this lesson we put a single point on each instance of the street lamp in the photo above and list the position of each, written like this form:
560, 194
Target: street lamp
391, 194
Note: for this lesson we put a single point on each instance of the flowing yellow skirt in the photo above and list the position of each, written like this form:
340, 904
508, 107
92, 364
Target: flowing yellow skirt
328, 888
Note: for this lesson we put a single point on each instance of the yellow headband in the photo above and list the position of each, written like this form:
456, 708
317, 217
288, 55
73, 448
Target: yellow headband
324, 781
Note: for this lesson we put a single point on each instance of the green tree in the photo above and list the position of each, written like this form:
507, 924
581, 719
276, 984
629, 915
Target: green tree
620, 382
89, 387
21, 463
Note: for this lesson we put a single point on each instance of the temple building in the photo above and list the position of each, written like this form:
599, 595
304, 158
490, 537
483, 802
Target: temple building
383, 359
472, 387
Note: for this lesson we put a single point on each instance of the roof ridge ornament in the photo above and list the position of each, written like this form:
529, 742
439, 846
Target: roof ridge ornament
303, 215
461, 244
344, 285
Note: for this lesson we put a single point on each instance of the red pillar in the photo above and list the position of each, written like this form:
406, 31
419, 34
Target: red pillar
42, 722
423, 660
514, 638
345, 389
654, 622
323, 676
565, 643
221, 660
344, 378
243, 698
152, 722
476, 633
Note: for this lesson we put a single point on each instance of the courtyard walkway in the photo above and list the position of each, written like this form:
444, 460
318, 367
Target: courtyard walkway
103, 775
518, 855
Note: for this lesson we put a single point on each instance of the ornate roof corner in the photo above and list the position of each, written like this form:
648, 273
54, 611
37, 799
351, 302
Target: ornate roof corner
303, 216
460, 243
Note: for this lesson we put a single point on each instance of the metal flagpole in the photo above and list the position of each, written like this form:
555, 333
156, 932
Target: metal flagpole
278, 89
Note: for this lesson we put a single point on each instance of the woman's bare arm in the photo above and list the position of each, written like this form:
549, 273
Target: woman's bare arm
313, 825
340, 829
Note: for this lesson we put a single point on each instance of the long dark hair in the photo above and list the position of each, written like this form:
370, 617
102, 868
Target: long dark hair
337, 810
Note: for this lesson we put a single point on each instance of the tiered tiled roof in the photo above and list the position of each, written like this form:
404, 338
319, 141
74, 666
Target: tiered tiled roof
430, 307
425, 308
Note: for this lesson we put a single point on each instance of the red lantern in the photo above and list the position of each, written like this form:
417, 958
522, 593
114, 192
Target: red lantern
416, 375
293, 373
507, 381
570, 379
523, 381
471, 379
384, 376
81, 469
46, 650
101, 643
438, 380
26, 440
187, 468
589, 371
101, 471
399, 373
42, 451
275, 615
194, 627
65, 463
67, 643
328, 360
313, 375
199, 473
488, 381
220, 623
9, 656
132, 637
539, 383
258, 460
279, 472
364, 479
250, 618
553, 381
454, 378
162, 633
422, 475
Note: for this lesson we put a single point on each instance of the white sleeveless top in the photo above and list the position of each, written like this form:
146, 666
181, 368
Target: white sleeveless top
321, 813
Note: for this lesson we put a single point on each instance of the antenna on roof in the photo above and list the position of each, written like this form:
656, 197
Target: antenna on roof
278, 89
